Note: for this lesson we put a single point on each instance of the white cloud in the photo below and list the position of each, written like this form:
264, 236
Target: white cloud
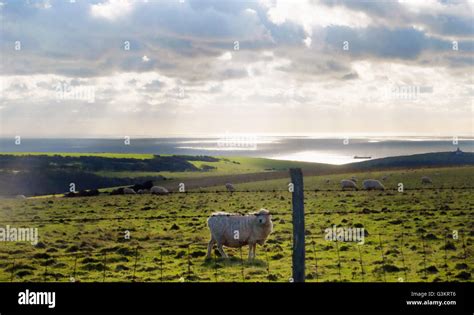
112, 9
307, 41
225, 56
310, 14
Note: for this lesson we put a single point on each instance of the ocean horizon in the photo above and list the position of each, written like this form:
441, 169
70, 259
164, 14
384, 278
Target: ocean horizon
295, 148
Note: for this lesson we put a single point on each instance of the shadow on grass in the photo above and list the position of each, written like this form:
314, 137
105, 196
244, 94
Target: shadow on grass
233, 261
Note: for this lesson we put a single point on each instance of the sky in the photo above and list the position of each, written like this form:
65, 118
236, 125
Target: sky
115, 68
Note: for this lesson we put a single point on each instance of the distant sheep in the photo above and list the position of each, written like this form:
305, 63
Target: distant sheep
385, 178
235, 230
83, 193
159, 190
143, 191
118, 191
144, 186
373, 184
328, 181
230, 187
426, 180
354, 179
348, 184
128, 191
20, 197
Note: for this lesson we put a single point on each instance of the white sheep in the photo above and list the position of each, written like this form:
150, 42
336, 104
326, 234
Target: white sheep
354, 179
370, 184
235, 230
349, 184
159, 190
230, 187
128, 191
426, 180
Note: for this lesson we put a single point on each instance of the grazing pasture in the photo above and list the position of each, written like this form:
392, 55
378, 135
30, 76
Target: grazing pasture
415, 235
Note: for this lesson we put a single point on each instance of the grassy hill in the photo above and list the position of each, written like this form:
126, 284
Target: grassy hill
43, 174
418, 160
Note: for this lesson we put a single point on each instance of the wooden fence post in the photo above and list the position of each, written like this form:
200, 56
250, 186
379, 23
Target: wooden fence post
298, 225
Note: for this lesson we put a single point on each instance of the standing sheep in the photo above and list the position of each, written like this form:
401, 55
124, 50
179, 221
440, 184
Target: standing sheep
373, 184
235, 230
128, 191
426, 180
354, 179
346, 183
230, 187
158, 190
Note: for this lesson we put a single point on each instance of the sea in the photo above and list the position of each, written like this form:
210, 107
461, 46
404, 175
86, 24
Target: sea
336, 150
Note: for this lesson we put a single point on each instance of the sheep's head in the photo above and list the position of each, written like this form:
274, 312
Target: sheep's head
263, 217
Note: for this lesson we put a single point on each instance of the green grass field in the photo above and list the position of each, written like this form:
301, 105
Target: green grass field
79, 236
225, 166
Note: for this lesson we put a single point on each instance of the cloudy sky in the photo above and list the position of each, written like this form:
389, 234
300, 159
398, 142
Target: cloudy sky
153, 68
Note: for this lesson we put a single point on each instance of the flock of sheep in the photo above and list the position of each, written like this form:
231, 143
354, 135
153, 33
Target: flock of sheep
155, 190
236, 230
372, 184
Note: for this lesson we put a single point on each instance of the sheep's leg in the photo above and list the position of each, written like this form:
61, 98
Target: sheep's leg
221, 250
250, 251
209, 248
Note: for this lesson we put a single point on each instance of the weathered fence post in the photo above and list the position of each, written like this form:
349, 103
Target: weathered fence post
298, 225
